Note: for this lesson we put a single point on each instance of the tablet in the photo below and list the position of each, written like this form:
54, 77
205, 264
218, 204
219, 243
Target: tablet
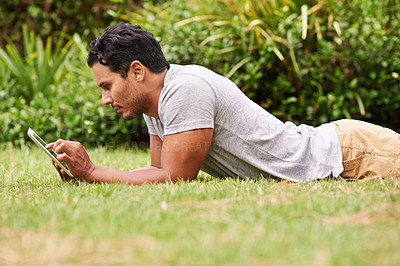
50, 152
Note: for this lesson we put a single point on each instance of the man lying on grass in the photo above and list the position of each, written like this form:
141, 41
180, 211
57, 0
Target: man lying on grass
198, 119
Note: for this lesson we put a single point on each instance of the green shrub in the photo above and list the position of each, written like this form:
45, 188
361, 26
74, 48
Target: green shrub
38, 67
342, 61
54, 92
306, 61
50, 16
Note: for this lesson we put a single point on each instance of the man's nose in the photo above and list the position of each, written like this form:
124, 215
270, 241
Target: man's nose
106, 98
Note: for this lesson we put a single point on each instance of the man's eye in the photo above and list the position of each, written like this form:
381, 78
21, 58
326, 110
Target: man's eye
106, 87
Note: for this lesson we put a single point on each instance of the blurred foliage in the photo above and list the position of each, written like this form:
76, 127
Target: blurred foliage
309, 61
38, 67
54, 92
44, 79
47, 17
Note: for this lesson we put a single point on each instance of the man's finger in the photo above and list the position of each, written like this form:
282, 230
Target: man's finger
60, 148
58, 168
49, 145
63, 175
66, 177
56, 144
65, 147
63, 157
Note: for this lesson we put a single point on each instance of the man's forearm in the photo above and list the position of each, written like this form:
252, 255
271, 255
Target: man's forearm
138, 176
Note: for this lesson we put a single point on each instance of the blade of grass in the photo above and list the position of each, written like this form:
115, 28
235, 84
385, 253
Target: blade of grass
304, 21
237, 66
293, 56
360, 103
211, 38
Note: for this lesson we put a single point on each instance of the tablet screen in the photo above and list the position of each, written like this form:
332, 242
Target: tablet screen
53, 155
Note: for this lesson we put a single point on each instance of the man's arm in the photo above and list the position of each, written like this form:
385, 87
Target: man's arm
155, 150
178, 157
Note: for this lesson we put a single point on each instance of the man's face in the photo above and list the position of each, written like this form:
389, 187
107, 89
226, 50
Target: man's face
122, 94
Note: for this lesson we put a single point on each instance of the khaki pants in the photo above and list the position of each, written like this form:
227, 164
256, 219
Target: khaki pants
368, 150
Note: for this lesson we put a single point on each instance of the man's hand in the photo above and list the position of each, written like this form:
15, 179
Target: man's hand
75, 156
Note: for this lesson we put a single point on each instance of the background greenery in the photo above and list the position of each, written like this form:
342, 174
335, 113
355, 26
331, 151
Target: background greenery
309, 61
51, 16
342, 61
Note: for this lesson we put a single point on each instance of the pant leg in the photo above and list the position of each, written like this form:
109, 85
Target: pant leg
368, 150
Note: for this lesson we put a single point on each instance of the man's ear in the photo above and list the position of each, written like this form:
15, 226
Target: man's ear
137, 70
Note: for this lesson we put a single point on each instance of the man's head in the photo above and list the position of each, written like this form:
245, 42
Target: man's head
123, 43
129, 67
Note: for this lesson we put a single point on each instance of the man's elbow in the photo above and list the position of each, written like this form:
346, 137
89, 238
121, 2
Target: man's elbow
176, 177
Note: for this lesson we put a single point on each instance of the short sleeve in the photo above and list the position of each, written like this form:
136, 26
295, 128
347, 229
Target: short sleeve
150, 126
186, 103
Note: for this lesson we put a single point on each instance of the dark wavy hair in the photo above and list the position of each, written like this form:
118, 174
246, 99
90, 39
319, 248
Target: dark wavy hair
123, 43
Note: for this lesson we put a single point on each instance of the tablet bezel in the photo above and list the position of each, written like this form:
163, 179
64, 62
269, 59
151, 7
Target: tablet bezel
42, 144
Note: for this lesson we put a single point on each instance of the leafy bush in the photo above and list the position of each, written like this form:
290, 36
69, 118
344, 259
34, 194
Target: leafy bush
39, 67
50, 16
54, 92
307, 61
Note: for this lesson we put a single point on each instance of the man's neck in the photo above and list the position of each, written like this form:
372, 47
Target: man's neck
155, 84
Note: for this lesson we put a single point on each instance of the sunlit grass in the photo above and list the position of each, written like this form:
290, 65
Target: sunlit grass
208, 221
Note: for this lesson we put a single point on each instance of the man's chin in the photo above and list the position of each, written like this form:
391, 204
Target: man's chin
129, 116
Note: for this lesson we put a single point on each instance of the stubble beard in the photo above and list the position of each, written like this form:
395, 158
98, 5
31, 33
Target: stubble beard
139, 105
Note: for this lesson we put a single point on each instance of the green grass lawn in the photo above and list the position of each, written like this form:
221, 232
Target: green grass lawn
206, 222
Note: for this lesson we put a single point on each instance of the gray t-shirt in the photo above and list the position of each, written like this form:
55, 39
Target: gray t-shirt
248, 141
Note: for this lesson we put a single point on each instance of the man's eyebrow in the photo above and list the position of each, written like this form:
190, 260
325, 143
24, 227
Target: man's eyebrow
103, 83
